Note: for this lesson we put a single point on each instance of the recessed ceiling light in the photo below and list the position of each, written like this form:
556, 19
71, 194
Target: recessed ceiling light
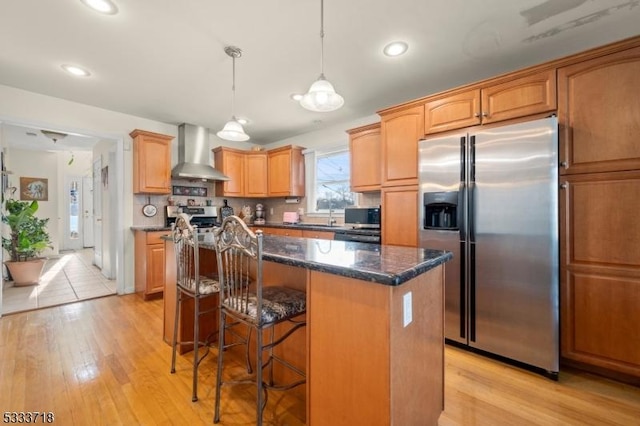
395, 48
103, 6
242, 120
296, 96
76, 70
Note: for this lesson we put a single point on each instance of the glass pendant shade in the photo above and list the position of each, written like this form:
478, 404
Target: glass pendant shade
233, 131
321, 97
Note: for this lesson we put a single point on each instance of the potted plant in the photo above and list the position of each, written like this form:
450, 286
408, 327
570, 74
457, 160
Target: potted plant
27, 239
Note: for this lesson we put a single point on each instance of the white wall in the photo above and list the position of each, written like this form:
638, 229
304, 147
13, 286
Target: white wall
330, 137
37, 164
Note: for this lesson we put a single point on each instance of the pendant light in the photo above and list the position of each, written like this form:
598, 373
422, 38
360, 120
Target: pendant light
321, 97
233, 131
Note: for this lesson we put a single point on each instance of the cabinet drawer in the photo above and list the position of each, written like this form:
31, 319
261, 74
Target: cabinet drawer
323, 235
154, 237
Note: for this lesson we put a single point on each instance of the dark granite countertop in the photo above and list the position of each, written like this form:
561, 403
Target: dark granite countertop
382, 264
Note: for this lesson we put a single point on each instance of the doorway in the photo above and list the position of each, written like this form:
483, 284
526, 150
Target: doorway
75, 197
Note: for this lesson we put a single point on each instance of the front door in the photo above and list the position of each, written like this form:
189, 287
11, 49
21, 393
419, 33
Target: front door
73, 220
97, 213
87, 211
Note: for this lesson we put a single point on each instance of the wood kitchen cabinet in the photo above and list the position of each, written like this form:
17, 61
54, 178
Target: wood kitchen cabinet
256, 174
230, 162
151, 162
247, 172
364, 150
496, 100
400, 131
600, 271
286, 172
400, 217
598, 112
286, 232
149, 263
321, 235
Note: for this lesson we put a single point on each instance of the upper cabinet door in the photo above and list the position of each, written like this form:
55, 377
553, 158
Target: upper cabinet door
521, 97
151, 162
496, 100
255, 174
598, 111
401, 131
286, 172
230, 162
452, 112
364, 150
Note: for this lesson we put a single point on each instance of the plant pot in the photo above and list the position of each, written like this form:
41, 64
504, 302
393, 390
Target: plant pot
26, 273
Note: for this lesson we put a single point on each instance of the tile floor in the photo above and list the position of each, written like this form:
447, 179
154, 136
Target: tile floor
68, 278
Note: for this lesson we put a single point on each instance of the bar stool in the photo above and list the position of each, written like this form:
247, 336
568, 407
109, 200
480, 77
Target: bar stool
190, 284
245, 300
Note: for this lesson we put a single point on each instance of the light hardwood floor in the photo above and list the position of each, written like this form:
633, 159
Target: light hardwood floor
103, 361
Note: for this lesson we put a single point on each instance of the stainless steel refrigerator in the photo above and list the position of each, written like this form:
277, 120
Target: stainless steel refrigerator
491, 197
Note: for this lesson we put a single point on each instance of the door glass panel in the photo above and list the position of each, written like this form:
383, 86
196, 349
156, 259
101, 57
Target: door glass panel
74, 211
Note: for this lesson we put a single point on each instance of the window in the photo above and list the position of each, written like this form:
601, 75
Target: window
331, 186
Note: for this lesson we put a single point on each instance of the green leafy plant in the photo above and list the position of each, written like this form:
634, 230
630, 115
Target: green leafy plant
28, 237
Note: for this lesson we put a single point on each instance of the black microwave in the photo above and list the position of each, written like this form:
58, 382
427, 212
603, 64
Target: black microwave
362, 217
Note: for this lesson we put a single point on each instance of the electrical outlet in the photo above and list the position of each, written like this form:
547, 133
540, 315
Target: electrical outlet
407, 313
271, 211
300, 211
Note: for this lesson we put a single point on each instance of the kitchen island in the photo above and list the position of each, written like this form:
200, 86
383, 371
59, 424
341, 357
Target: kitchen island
374, 344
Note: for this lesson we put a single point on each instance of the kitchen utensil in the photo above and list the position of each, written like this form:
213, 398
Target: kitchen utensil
149, 210
226, 210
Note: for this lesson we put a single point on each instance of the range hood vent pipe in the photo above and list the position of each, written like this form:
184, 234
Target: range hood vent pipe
193, 155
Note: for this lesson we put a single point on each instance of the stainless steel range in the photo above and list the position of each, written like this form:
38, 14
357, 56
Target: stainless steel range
203, 217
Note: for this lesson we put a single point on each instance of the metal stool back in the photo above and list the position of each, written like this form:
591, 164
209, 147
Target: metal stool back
244, 299
190, 284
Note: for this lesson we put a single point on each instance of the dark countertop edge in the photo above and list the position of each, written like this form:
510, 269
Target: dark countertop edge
150, 228
302, 225
374, 277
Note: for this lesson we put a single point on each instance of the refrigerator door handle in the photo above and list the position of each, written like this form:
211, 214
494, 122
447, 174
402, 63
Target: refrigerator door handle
462, 192
463, 156
471, 189
472, 292
463, 290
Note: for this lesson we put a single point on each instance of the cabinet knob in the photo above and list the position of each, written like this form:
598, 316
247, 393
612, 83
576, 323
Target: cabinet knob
477, 114
564, 185
484, 114
564, 164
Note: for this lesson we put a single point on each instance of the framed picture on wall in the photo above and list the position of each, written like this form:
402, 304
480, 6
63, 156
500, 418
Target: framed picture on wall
34, 189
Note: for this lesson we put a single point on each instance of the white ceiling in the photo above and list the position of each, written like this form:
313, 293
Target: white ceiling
164, 59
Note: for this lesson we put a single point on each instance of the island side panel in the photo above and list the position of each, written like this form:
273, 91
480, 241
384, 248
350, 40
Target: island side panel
348, 332
365, 366
417, 351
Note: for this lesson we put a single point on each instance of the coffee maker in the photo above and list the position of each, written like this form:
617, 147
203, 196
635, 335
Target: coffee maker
260, 215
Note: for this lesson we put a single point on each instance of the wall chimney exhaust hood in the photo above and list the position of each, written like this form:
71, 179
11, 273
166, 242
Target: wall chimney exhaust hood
193, 155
